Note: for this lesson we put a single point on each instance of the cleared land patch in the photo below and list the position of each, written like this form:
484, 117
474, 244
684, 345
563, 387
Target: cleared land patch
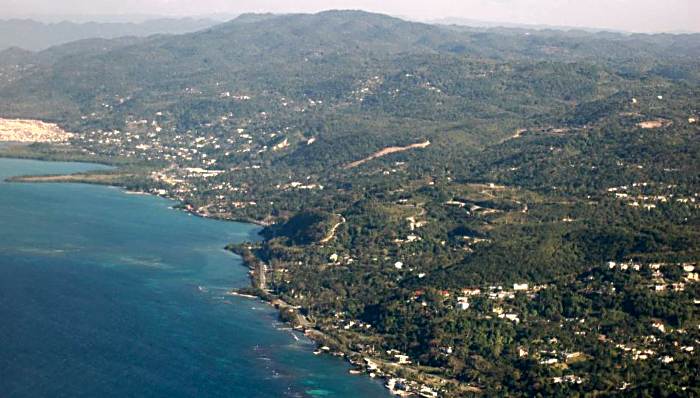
654, 124
95, 178
25, 130
387, 151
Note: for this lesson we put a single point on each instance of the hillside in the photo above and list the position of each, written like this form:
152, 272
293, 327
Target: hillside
513, 210
365, 67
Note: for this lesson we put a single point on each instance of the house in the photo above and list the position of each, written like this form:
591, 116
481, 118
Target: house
660, 326
678, 287
666, 359
499, 295
463, 303
427, 392
455, 203
520, 287
568, 379
412, 238
513, 317
402, 359
471, 292
371, 365
398, 387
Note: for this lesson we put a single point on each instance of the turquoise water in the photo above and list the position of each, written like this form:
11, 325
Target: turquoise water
105, 294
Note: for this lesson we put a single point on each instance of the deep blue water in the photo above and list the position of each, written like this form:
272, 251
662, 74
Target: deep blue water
105, 294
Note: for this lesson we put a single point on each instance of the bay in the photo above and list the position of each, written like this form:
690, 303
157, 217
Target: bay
107, 294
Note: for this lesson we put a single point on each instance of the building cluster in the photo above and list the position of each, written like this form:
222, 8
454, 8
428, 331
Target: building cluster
649, 196
659, 280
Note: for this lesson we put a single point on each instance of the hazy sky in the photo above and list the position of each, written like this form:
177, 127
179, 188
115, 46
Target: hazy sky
629, 15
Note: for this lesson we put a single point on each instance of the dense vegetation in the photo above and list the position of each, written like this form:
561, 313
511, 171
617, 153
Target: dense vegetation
548, 155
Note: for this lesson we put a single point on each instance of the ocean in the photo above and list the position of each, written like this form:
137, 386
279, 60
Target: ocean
107, 294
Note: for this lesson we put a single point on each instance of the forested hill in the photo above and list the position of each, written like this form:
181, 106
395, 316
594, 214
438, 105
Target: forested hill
473, 75
515, 210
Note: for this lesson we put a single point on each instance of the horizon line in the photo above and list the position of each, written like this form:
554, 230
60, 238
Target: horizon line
139, 18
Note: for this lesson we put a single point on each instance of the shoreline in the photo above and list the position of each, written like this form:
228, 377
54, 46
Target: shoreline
104, 179
360, 363
392, 374
200, 288
48, 158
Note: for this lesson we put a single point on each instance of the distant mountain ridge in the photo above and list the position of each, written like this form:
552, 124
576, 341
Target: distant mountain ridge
355, 62
477, 23
298, 55
35, 36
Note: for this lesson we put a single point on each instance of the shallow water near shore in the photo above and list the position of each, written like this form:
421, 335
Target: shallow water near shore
104, 294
